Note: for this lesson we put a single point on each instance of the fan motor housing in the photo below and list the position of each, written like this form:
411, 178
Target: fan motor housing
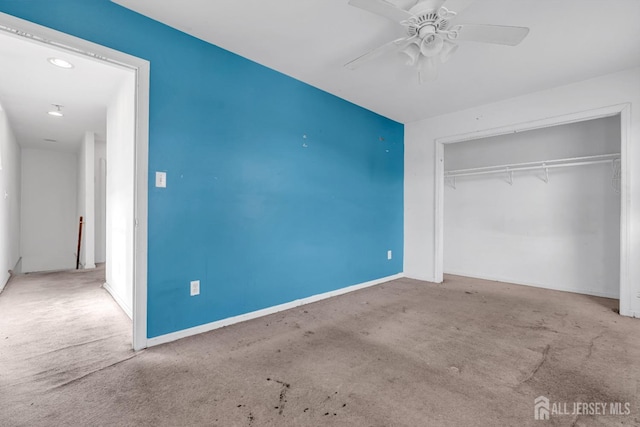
426, 24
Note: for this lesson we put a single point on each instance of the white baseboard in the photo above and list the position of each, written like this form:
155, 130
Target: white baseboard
173, 336
537, 285
630, 313
127, 310
421, 278
4, 281
10, 274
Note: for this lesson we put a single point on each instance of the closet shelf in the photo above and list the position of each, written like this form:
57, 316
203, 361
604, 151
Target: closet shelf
539, 165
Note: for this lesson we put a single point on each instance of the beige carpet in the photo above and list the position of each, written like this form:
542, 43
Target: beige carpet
406, 353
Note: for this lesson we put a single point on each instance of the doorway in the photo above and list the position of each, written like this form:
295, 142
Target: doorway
538, 208
128, 111
622, 110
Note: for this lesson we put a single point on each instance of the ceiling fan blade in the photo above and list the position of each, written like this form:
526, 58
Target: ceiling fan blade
431, 4
498, 34
406, 4
457, 6
423, 7
385, 48
382, 8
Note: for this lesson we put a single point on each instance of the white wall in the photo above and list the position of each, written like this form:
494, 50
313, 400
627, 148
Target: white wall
9, 199
81, 195
586, 138
49, 226
617, 88
100, 191
564, 234
85, 197
120, 195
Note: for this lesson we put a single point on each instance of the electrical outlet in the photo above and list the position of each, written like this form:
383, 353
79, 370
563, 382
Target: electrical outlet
389, 255
195, 287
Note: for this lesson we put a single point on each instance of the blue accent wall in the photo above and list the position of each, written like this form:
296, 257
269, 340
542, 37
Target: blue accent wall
275, 191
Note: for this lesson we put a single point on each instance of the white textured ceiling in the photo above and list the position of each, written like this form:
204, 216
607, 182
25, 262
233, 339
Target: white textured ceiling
570, 40
29, 85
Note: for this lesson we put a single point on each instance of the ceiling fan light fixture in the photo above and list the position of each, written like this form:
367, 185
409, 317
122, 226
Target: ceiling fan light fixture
447, 51
413, 52
427, 69
431, 45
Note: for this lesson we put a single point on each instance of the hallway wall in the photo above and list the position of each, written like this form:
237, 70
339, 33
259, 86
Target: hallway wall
119, 195
49, 227
85, 199
9, 199
100, 192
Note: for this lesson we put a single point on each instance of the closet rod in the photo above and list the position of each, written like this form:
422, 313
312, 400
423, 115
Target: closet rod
558, 163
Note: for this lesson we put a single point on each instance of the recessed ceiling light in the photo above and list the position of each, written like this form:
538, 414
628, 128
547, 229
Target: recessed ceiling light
56, 112
60, 63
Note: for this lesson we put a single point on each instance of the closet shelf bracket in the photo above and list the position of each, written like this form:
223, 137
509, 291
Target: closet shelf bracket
452, 181
546, 173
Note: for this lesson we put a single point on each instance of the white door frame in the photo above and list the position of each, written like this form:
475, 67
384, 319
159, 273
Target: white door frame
58, 40
624, 110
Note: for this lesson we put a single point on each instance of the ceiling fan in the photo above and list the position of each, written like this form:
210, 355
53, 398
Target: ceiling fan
432, 32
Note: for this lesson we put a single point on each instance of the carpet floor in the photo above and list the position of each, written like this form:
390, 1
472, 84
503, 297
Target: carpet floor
466, 352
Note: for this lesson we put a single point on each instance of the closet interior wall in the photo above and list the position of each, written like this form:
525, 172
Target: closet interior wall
555, 228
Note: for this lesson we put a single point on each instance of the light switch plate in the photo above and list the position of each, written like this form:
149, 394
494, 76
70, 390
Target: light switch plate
161, 179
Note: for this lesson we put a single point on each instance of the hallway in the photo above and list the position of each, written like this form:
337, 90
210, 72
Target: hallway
56, 328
